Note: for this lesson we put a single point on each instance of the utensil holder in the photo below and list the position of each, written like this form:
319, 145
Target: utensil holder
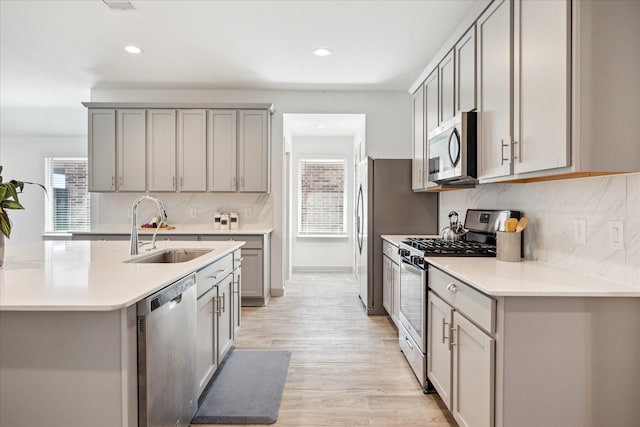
508, 246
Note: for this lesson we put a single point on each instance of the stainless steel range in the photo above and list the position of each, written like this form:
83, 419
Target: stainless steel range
479, 240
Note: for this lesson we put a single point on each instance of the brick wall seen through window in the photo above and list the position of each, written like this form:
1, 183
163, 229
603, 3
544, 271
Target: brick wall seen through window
322, 197
68, 202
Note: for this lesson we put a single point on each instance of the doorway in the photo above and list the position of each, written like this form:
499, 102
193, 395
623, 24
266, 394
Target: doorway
320, 154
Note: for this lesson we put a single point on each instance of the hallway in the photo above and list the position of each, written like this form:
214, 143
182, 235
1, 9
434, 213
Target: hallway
346, 368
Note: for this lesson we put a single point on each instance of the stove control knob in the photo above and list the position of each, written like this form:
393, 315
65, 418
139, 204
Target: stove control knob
403, 252
417, 259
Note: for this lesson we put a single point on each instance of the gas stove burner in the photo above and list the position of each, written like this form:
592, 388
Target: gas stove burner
439, 247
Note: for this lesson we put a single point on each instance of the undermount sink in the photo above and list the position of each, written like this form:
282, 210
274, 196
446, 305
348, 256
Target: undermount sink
171, 256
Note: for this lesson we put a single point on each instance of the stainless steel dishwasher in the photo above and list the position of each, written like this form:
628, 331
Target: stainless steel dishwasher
167, 387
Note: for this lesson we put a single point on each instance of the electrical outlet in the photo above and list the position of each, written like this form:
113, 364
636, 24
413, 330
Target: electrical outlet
128, 212
248, 212
616, 235
580, 231
193, 212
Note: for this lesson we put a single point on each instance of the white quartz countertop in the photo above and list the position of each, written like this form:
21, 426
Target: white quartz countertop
526, 278
90, 275
179, 229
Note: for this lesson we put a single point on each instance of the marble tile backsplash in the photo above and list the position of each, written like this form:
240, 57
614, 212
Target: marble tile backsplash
113, 208
552, 207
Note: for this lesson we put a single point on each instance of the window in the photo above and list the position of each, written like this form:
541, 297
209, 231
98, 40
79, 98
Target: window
68, 203
322, 197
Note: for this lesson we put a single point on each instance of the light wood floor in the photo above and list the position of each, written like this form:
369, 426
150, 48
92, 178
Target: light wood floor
346, 368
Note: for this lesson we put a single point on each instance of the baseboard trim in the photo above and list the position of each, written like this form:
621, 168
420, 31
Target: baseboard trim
321, 269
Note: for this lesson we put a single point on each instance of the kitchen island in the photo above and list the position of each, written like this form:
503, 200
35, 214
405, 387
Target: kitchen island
256, 251
68, 354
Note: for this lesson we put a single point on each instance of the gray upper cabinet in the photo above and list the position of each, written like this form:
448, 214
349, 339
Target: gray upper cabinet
541, 85
161, 150
253, 151
192, 150
221, 141
465, 62
134, 147
494, 91
102, 150
446, 77
131, 143
418, 140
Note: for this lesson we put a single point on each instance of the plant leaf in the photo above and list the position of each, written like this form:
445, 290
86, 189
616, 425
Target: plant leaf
11, 204
3, 191
5, 224
18, 184
39, 185
12, 190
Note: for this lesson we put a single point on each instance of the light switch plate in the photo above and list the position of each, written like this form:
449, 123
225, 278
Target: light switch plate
580, 231
616, 234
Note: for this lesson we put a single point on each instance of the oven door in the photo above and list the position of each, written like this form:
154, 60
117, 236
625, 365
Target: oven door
413, 302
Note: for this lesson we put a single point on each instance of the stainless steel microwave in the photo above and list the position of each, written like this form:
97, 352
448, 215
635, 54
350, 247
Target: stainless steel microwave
453, 151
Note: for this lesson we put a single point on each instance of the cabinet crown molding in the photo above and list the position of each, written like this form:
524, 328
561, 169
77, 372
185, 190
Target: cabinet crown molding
182, 105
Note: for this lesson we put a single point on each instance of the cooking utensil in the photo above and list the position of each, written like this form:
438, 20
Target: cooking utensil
510, 225
455, 231
522, 224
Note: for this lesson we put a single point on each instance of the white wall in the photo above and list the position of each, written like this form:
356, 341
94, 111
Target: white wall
388, 133
322, 253
23, 159
552, 206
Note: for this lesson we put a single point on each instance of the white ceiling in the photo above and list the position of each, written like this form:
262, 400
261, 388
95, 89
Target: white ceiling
333, 124
52, 53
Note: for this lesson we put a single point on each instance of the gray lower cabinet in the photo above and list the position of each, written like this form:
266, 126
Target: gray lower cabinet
391, 281
215, 317
256, 266
490, 357
237, 290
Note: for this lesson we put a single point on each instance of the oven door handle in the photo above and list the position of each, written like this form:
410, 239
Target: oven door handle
412, 265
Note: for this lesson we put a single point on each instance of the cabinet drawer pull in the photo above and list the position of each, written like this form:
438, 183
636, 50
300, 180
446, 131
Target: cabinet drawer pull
444, 325
408, 342
222, 309
451, 287
215, 275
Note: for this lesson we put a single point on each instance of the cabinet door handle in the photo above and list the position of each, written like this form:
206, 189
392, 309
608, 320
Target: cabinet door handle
121, 183
216, 305
173, 182
113, 182
223, 309
502, 152
452, 335
181, 183
513, 150
451, 287
444, 324
242, 182
234, 182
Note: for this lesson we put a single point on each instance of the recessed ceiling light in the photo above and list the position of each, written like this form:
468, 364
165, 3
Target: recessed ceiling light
133, 49
322, 51
321, 126
118, 4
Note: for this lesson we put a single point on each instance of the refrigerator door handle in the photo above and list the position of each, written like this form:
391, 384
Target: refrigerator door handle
360, 218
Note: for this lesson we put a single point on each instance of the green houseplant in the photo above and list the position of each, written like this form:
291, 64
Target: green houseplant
9, 200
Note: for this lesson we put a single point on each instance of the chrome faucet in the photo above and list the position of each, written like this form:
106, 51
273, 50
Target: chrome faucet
134, 228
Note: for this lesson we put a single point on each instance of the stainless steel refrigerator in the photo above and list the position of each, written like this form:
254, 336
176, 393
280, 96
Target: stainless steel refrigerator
386, 204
